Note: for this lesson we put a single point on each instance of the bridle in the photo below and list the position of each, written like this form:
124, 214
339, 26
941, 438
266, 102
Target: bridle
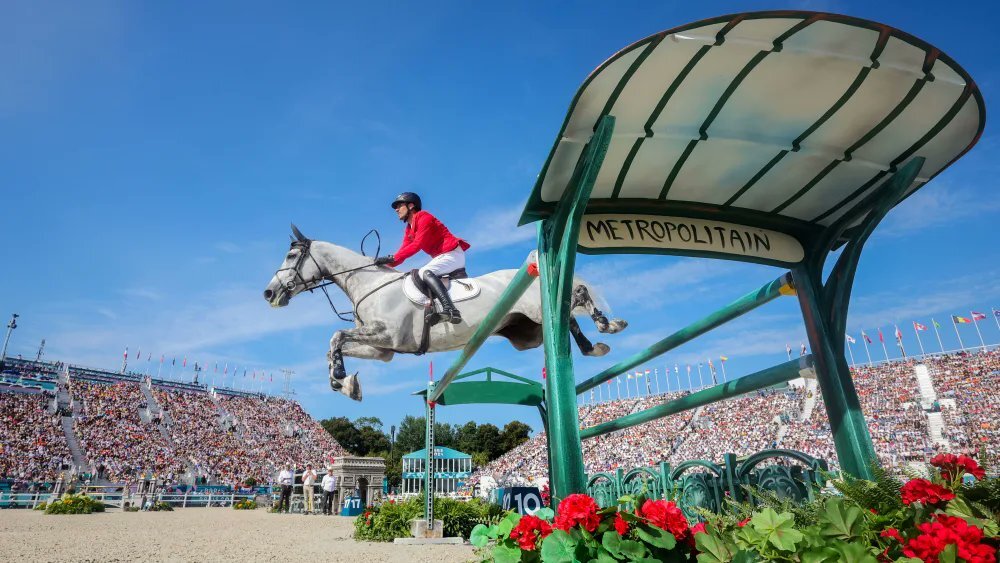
304, 245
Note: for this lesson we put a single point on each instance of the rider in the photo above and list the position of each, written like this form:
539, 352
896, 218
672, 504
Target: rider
425, 232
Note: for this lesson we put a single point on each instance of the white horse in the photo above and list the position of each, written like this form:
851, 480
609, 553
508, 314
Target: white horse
387, 322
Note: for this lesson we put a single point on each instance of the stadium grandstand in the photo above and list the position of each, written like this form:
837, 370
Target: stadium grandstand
915, 408
63, 420
72, 422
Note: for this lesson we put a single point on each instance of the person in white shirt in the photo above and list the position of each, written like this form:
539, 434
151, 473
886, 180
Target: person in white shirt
308, 479
286, 478
329, 485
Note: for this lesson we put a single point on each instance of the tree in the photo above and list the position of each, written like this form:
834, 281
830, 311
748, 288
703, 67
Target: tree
466, 439
444, 435
488, 436
344, 432
370, 422
513, 435
410, 435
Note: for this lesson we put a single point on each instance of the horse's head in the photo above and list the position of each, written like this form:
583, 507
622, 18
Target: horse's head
297, 272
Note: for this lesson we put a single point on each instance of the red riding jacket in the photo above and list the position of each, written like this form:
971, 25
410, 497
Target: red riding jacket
425, 232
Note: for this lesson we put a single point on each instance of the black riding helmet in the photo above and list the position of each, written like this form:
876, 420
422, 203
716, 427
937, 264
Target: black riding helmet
407, 197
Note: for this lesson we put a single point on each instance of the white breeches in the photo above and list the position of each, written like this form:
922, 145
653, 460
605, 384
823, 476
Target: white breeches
445, 263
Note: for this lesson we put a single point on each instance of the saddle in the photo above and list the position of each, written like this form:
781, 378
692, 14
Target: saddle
416, 291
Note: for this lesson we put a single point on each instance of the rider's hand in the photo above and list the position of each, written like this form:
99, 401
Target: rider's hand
384, 260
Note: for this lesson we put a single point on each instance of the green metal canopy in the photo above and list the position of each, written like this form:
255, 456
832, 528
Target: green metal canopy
749, 134
439, 453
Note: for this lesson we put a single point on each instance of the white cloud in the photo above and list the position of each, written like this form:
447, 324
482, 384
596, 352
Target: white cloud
497, 229
937, 205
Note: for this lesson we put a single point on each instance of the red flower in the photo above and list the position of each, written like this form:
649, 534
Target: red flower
698, 528
621, 526
952, 465
743, 522
892, 533
528, 531
665, 514
577, 509
946, 530
923, 491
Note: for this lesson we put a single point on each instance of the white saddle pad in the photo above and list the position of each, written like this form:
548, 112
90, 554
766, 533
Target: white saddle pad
459, 290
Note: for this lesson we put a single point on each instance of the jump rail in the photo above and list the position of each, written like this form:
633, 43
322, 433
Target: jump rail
767, 293
765, 378
522, 280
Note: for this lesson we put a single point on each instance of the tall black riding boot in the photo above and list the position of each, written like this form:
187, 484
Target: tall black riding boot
448, 311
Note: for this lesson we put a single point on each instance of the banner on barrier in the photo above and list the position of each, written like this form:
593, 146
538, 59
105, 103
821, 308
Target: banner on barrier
623, 231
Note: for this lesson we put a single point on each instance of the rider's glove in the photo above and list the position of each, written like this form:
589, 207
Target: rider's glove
384, 260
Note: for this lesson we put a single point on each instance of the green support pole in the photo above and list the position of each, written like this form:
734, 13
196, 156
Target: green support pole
557, 243
824, 310
767, 293
521, 282
765, 378
428, 461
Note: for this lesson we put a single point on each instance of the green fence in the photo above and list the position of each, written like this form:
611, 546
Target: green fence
704, 484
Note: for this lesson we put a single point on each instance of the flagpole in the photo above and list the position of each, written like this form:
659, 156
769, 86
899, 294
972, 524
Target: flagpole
618, 380
864, 340
690, 385
919, 343
938, 334
723, 362
851, 352
955, 324
974, 321
656, 376
881, 339
996, 316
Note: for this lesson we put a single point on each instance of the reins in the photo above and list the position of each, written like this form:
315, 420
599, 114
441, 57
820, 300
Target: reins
305, 244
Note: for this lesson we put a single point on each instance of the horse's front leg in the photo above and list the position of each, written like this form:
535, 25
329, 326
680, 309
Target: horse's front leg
361, 342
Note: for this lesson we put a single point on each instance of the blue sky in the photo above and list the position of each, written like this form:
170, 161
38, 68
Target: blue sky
152, 156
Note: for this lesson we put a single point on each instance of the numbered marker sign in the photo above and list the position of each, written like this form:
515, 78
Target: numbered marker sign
525, 500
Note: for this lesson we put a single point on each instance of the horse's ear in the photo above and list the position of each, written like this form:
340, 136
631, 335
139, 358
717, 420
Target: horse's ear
298, 234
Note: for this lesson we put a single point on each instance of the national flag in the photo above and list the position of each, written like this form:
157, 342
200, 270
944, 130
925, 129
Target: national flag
543, 372
865, 336
880, 337
185, 364
150, 357
173, 362
272, 381
899, 335
802, 351
161, 359
959, 320
710, 366
216, 367
977, 316
724, 358
244, 372
918, 326
936, 325
851, 339
125, 355
689, 369
677, 369
996, 313
647, 373
226, 370
138, 355
788, 349
628, 376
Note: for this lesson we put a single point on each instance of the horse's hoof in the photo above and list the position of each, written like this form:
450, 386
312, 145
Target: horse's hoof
335, 383
617, 325
351, 387
599, 350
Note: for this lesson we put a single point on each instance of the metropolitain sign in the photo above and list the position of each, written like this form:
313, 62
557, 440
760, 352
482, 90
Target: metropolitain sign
656, 232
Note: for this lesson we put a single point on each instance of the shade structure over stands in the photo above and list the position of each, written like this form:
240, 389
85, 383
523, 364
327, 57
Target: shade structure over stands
450, 468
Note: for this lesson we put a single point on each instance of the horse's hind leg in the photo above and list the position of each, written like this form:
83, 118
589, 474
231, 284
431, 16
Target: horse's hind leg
582, 298
588, 349
359, 342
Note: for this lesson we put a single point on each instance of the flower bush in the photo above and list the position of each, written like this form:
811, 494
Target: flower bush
74, 504
245, 504
941, 519
390, 520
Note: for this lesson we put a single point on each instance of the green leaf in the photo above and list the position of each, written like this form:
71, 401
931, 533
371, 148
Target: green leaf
656, 536
506, 554
713, 549
507, 524
558, 547
949, 554
480, 535
820, 555
545, 513
842, 521
854, 552
604, 557
632, 549
779, 529
958, 507
746, 557
611, 541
